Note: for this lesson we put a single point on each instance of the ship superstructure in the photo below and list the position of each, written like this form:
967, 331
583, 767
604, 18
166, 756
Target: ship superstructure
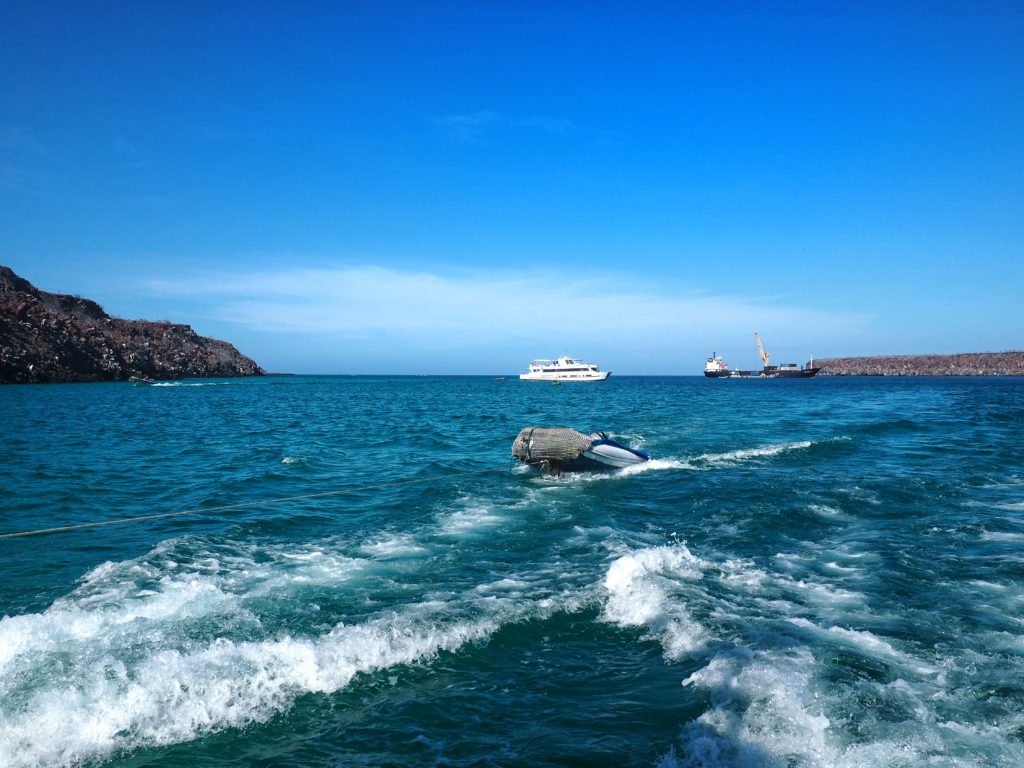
717, 368
563, 369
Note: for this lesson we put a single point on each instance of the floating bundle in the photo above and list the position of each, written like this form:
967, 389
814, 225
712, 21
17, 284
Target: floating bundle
536, 445
556, 449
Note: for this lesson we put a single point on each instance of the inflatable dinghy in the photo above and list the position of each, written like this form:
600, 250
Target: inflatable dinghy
608, 452
559, 449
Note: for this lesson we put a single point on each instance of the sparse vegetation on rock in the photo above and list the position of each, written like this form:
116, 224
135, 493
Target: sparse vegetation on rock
966, 364
51, 337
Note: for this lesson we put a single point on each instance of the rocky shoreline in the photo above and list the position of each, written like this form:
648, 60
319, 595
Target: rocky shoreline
965, 364
52, 337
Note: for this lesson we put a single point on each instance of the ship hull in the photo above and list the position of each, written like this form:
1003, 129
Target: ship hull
770, 373
732, 374
589, 376
803, 373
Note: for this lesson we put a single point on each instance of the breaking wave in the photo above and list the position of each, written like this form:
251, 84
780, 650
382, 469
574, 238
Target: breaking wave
772, 693
172, 696
639, 590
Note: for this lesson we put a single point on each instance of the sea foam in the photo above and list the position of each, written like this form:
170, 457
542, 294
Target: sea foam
173, 696
638, 587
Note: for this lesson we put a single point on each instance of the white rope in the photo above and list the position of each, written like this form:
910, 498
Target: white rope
203, 511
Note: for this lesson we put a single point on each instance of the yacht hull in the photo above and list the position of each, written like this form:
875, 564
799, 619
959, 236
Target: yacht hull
599, 376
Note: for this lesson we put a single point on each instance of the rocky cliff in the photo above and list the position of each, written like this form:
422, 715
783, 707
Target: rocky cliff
967, 364
49, 337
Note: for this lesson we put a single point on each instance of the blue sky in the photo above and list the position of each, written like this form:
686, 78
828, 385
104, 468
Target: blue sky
459, 187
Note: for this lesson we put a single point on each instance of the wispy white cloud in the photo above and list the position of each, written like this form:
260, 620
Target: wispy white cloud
548, 124
451, 311
128, 152
468, 127
482, 126
25, 161
16, 139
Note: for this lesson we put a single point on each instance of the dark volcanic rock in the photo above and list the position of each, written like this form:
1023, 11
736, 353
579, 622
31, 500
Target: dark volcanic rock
47, 337
966, 364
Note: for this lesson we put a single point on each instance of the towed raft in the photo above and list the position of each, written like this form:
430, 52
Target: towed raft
559, 449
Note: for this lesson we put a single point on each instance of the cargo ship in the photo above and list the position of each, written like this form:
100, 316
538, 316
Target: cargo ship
717, 368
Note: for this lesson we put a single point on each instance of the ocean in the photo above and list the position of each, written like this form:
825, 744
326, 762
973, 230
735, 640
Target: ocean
823, 572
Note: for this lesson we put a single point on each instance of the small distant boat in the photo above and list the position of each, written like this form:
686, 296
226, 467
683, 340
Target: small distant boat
141, 380
563, 369
500, 378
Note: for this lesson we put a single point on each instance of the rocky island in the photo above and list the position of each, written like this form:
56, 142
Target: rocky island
51, 337
966, 364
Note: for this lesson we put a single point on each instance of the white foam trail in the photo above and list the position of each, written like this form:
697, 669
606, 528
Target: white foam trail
708, 460
118, 602
824, 595
744, 454
1001, 536
743, 574
601, 476
775, 703
70, 626
870, 645
172, 696
502, 585
1012, 481
824, 510
655, 465
821, 593
988, 585
862, 495
768, 708
470, 521
134, 672
393, 546
836, 567
638, 587
699, 463
1009, 506
763, 712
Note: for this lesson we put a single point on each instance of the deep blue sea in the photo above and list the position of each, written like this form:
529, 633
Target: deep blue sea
826, 572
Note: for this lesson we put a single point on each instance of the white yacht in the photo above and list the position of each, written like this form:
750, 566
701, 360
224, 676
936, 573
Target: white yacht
563, 369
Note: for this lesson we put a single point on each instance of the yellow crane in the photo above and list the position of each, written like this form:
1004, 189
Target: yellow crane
760, 348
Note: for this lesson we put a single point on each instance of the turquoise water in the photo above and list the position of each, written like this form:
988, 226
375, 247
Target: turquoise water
810, 573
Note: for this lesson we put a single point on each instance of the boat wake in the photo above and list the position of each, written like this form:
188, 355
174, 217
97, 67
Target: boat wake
772, 681
698, 463
705, 461
190, 640
177, 695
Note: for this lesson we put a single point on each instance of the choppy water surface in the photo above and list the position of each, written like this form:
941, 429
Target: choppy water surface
811, 573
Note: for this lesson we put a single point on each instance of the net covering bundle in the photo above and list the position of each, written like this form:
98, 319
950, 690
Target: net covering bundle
544, 445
